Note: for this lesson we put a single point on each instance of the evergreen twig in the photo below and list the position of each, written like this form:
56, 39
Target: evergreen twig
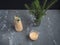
44, 4
50, 5
37, 10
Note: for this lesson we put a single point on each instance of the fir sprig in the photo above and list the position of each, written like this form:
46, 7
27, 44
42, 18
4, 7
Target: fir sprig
37, 10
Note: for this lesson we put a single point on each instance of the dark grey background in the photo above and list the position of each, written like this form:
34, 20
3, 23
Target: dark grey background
49, 29
19, 4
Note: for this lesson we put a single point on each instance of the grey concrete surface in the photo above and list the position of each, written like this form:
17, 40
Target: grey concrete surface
49, 29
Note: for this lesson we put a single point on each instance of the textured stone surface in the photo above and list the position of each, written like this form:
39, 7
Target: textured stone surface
49, 28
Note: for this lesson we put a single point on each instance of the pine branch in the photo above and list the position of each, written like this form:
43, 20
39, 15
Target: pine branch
50, 5
27, 6
37, 10
37, 4
44, 4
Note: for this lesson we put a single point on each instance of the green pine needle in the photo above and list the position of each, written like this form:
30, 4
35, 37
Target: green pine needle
44, 4
50, 5
27, 6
